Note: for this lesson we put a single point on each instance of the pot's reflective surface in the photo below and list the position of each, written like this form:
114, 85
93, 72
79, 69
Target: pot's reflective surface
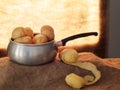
32, 54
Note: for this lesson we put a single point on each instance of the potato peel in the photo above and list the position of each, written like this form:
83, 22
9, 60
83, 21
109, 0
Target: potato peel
90, 67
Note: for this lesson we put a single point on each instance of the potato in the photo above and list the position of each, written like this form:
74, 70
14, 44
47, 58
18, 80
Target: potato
68, 55
29, 32
39, 39
18, 32
24, 40
74, 80
48, 31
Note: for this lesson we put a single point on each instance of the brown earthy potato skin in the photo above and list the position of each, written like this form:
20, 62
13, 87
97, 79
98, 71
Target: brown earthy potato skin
39, 39
18, 32
29, 32
24, 40
48, 31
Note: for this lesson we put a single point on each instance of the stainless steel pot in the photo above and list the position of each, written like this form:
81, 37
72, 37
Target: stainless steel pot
36, 54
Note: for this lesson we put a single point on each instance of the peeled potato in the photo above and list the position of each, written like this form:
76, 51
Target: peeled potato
18, 32
48, 31
29, 32
74, 80
39, 39
69, 55
24, 40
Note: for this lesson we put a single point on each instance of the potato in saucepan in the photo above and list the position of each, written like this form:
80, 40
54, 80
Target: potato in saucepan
18, 32
39, 39
29, 32
48, 31
24, 40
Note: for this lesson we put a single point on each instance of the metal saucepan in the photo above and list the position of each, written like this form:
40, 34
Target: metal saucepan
36, 54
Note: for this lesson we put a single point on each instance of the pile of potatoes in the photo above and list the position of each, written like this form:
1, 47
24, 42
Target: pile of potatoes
26, 35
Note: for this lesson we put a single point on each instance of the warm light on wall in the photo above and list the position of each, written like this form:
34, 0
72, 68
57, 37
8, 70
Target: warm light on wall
67, 17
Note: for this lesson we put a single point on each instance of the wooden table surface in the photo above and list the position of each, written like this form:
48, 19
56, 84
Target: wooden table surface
51, 76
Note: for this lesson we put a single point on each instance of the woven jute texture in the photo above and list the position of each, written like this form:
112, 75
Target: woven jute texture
51, 76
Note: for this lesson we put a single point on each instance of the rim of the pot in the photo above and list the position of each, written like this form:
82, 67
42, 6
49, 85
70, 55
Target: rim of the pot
21, 44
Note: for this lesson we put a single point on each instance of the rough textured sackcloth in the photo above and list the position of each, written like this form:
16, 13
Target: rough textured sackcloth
51, 76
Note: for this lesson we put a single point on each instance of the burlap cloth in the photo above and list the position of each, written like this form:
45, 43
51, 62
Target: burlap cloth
51, 76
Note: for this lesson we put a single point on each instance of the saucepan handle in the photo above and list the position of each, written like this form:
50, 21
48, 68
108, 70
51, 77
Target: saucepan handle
63, 41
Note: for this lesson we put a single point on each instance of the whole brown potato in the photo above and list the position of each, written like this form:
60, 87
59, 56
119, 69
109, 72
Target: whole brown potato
39, 39
24, 40
18, 32
29, 32
48, 31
